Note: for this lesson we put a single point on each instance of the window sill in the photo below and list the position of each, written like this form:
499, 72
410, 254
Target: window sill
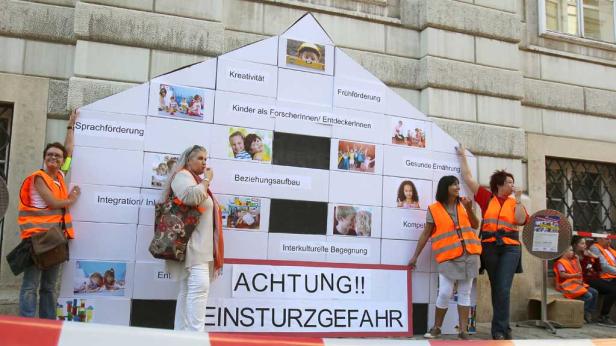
579, 40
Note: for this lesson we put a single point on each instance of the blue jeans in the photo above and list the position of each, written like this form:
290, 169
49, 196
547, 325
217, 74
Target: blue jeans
590, 299
43, 281
501, 263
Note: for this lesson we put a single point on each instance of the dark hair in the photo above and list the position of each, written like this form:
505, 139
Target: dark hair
498, 179
576, 239
442, 189
248, 141
56, 145
401, 196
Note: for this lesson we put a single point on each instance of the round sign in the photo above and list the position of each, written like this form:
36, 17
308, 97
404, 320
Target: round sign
547, 235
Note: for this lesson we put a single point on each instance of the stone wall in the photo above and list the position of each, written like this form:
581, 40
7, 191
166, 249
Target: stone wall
479, 68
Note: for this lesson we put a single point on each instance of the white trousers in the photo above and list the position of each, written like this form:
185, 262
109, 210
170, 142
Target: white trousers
192, 299
445, 291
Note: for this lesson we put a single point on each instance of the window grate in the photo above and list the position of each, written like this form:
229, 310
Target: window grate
584, 191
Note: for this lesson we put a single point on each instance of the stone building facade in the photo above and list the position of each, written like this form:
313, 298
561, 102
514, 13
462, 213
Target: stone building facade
508, 78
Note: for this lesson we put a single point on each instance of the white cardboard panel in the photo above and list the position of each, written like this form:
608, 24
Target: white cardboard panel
220, 147
449, 323
107, 310
154, 281
408, 129
183, 93
302, 119
282, 58
229, 178
221, 287
407, 162
361, 126
305, 87
247, 110
355, 188
305, 183
349, 249
109, 130
360, 95
377, 157
375, 220
156, 169
293, 247
107, 166
396, 105
391, 186
131, 101
201, 75
445, 143
421, 287
149, 198
262, 52
70, 280
104, 241
246, 244
161, 138
145, 233
308, 29
247, 77
403, 223
399, 252
99, 203
348, 68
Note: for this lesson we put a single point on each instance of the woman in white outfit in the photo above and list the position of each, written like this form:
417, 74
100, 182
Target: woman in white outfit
204, 252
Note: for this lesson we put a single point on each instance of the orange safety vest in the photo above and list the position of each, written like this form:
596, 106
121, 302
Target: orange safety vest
572, 287
500, 217
32, 220
449, 241
604, 252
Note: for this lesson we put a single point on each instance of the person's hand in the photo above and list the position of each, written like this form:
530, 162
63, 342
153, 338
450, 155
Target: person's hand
460, 150
73, 117
413, 263
466, 202
518, 194
209, 174
74, 194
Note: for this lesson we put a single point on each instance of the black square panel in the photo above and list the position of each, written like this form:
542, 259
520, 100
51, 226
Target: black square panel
301, 151
298, 217
152, 313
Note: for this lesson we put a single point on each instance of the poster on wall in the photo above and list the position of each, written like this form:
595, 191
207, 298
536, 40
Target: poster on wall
322, 174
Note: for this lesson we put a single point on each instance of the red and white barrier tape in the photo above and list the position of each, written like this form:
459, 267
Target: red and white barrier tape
594, 235
18, 331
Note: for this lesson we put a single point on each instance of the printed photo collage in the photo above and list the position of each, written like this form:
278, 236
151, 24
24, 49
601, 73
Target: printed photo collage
294, 170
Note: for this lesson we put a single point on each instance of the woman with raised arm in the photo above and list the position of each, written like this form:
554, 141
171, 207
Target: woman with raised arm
451, 224
44, 202
502, 215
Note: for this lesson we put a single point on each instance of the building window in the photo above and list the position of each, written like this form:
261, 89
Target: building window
591, 19
6, 122
584, 191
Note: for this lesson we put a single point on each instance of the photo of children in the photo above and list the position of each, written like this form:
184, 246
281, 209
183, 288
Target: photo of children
240, 212
75, 310
247, 144
408, 132
162, 168
407, 196
99, 278
306, 54
359, 157
352, 220
182, 102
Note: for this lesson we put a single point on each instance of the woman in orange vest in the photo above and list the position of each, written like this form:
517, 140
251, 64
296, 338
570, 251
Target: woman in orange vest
43, 202
502, 215
570, 281
450, 225
606, 283
205, 249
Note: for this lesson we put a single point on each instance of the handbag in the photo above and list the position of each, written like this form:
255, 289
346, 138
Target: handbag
50, 248
173, 225
20, 257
